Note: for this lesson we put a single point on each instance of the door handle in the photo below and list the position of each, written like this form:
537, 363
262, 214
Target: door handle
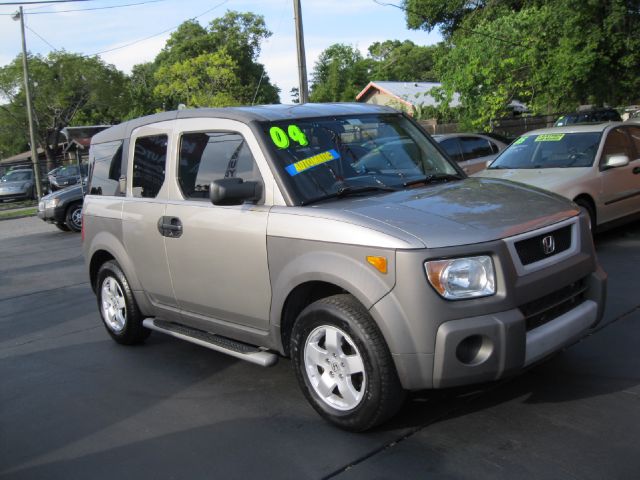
170, 227
636, 170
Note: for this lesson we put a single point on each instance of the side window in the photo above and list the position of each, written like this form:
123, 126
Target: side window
634, 133
209, 156
617, 143
452, 147
149, 165
494, 147
105, 160
474, 147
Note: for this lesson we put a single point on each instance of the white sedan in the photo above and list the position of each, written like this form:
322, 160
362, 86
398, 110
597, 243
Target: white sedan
597, 166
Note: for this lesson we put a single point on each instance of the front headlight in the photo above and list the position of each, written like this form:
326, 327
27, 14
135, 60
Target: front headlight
51, 203
460, 278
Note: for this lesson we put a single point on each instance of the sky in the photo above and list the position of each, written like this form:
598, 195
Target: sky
355, 22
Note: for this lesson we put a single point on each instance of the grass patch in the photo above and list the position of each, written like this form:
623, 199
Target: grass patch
18, 213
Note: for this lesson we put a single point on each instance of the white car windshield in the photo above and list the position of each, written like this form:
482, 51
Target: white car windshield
550, 150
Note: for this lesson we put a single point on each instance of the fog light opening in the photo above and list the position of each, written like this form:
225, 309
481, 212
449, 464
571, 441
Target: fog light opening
474, 350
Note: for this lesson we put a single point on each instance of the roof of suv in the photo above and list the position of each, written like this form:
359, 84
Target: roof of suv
245, 115
576, 128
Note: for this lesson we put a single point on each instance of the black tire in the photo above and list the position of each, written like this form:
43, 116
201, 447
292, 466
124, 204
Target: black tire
132, 331
73, 218
381, 395
588, 207
62, 227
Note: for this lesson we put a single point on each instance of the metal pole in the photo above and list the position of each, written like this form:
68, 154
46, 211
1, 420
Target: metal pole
302, 62
27, 91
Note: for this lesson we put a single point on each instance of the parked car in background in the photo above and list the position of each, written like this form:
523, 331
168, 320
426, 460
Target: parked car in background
17, 184
589, 116
66, 175
63, 208
472, 151
597, 166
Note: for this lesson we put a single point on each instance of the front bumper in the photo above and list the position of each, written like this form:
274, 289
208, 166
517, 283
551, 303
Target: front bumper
50, 215
437, 343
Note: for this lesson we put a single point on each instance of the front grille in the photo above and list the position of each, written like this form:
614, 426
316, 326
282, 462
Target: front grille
533, 250
543, 310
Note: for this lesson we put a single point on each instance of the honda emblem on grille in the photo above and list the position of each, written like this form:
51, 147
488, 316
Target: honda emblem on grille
548, 245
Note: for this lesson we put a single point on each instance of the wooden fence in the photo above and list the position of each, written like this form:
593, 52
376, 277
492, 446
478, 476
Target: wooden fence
509, 127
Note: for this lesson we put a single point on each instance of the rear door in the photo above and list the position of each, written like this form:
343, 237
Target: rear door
144, 206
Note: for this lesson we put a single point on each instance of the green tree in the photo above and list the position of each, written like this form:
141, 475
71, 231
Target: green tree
208, 80
235, 35
339, 74
67, 89
550, 54
402, 61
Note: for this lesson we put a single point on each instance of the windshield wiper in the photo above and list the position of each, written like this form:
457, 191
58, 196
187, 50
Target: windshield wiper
347, 190
442, 177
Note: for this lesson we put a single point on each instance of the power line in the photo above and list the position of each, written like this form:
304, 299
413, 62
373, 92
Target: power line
39, 2
39, 36
86, 9
157, 34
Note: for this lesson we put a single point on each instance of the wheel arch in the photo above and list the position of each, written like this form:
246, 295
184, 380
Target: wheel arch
589, 199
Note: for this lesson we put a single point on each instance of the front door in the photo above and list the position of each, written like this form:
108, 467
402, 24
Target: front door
218, 260
620, 186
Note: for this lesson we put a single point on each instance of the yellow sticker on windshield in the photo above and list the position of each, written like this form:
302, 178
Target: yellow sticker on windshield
307, 163
550, 137
521, 140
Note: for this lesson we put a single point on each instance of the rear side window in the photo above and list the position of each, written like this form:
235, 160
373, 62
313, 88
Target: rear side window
452, 147
475, 147
149, 165
617, 143
106, 163
209, 156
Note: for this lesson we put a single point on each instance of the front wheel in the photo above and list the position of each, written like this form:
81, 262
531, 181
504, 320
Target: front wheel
118, 308
343, 365
73, 218
587, 207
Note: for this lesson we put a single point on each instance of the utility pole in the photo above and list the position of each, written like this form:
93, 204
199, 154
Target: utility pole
27, 91
302, 62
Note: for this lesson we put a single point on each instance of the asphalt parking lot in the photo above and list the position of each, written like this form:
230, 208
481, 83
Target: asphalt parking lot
74, 404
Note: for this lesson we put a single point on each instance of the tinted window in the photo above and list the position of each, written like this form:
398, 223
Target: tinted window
617, 143
452, 147
475, 147
105, 160
149, 165
209, 156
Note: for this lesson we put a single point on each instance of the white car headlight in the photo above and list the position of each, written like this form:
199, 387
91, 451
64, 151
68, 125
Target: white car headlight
51, 203
460, 278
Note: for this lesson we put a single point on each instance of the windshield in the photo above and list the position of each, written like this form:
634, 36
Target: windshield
550, 150
69, 171
17, 176
325, 157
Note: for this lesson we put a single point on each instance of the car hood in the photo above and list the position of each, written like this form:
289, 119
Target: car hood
546, 178
464, 212
72, 191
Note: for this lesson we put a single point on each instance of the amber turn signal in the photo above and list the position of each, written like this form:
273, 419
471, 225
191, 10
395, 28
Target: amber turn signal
380, 263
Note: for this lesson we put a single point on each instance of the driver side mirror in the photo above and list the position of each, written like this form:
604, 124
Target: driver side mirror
234, 191
615, 161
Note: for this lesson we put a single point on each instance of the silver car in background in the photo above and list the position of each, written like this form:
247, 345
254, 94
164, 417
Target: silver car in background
471, 151
17, 184
597, 166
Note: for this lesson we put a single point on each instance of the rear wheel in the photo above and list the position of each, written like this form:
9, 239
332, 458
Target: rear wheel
118, 308
343, 365
73, 218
